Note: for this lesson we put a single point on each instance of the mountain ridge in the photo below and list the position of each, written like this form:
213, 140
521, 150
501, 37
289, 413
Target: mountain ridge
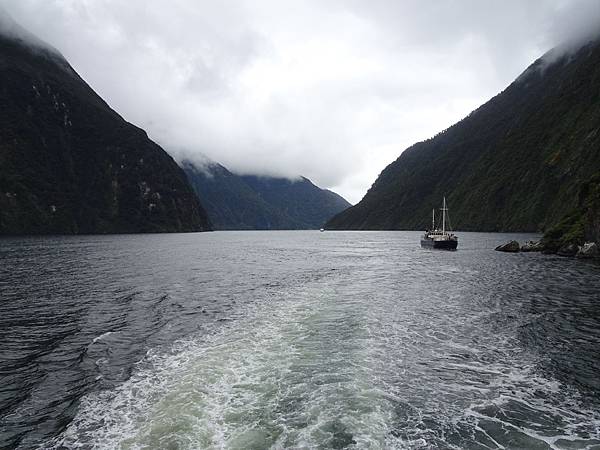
249, 202
513, 164
70, 164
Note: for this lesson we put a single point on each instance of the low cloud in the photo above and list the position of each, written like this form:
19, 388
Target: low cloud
573, 28
330, 90
10, 28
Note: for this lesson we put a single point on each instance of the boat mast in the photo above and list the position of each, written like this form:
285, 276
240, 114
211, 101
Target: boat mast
433, 220
444, 217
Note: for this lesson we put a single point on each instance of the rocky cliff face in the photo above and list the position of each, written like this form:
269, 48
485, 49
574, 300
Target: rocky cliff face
70, 164
514, 164
237, 202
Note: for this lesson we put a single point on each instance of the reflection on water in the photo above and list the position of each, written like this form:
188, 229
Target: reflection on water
295, 339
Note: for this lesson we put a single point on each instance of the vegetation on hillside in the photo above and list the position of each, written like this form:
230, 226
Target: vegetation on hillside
514, 164
70, 164
581, 224
236, 202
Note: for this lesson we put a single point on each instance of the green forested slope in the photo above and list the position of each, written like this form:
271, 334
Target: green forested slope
581, 223
247, 202
306, 204
70, 164
515, 164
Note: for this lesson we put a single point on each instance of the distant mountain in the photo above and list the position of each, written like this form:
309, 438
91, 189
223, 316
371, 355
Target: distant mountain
235, 202
69, 163
308, 205
231, 204
515, 164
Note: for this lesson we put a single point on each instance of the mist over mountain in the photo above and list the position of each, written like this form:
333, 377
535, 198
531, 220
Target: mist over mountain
515, 164
69, 163
249, 202
330, 90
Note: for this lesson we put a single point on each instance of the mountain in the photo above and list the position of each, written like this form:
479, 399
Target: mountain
581, 224
236, 202
307, 205
69, 163
232, 204
517, 163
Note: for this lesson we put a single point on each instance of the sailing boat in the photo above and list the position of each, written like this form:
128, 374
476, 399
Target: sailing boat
436, 238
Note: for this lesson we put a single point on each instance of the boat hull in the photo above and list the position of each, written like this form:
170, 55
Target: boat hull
441, 245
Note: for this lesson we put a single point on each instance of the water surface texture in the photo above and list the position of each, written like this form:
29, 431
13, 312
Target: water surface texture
258, 340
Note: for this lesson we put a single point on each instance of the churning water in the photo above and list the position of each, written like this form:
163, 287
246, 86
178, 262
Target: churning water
295, 340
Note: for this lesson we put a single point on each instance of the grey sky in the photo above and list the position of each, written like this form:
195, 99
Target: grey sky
333, 90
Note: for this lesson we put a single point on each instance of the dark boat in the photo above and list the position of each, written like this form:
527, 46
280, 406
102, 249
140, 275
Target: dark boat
439, 239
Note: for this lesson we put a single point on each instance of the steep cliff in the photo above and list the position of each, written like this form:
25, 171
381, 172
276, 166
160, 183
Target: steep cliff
69, 163
515, 164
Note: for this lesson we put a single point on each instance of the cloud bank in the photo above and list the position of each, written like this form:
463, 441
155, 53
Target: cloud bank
330, 90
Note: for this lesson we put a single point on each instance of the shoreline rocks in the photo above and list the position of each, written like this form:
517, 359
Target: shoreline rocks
568, 250
589, 250
509, 247
532, 246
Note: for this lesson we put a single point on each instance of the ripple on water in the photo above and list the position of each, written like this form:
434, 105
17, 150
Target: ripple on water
395, 348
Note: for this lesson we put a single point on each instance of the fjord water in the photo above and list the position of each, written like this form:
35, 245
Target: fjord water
295, 340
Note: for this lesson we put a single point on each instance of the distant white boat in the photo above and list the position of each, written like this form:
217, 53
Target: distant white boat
321, 230
436, 238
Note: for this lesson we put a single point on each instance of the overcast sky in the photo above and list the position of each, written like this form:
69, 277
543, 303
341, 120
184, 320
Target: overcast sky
333, 90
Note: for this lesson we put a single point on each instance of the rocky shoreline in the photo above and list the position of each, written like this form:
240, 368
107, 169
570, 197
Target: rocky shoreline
586, 251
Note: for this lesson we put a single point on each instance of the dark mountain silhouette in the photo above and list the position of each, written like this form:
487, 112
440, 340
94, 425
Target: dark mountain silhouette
517, 163
69, 163
235, 202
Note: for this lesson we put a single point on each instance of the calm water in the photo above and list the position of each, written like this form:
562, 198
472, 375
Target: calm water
295, 340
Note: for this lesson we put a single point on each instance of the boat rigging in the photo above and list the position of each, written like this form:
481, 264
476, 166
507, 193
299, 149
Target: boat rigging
440, 239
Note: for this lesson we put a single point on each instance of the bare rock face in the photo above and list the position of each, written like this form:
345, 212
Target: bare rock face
568, 250
511, 247
532, 246
588, 250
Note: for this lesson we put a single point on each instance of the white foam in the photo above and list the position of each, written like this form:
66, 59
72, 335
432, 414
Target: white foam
318, 363
102, 336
